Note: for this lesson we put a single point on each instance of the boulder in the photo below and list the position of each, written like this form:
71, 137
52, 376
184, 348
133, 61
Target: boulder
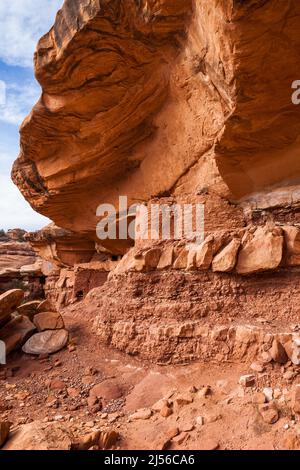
259, 398
292, 349
16, 333
183, 399
142, 414
137, 264
45, 306
247, 380
166, 258
262, 252
152, 258
278, 352
40, 436
208, 444
269, 412
268, 393
191, 260
108, 390
166, 411
29, 309
204, 254
200, 256
292, 242
296, 399
159, 405
57, 384
181, 260
225, 260
257, 367
9, 301
47, 342
130, 262
48, 321
221, 239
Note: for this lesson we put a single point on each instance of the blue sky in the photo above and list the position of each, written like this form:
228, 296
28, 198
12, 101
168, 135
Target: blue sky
22, 23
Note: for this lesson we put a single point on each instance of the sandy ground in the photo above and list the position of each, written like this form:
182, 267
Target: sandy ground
209, 408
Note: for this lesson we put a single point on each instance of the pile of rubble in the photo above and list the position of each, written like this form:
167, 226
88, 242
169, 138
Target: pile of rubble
247, 251
187, 411
33, 326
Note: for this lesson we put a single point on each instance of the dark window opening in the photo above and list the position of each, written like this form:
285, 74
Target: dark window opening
79, 295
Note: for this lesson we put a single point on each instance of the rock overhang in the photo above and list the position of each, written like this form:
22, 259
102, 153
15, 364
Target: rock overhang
138, 94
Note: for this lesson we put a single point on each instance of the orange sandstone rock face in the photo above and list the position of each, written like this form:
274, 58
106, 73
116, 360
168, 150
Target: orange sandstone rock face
171, 101
226, 259
114, 72
61, 247
105, 73
262, 252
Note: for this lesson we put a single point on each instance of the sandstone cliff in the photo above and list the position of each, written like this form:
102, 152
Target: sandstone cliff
169, 101
147, 97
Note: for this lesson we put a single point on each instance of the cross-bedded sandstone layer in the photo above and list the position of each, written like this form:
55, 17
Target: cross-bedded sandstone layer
136, 93
143, 98
104, 69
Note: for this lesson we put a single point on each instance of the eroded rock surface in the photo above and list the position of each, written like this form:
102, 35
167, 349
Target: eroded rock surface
40, 436
112, 74
169, 102
105, 70
9, 301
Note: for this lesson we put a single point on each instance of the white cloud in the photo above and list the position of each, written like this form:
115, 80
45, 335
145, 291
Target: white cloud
19, 99
22, 23
15, 212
